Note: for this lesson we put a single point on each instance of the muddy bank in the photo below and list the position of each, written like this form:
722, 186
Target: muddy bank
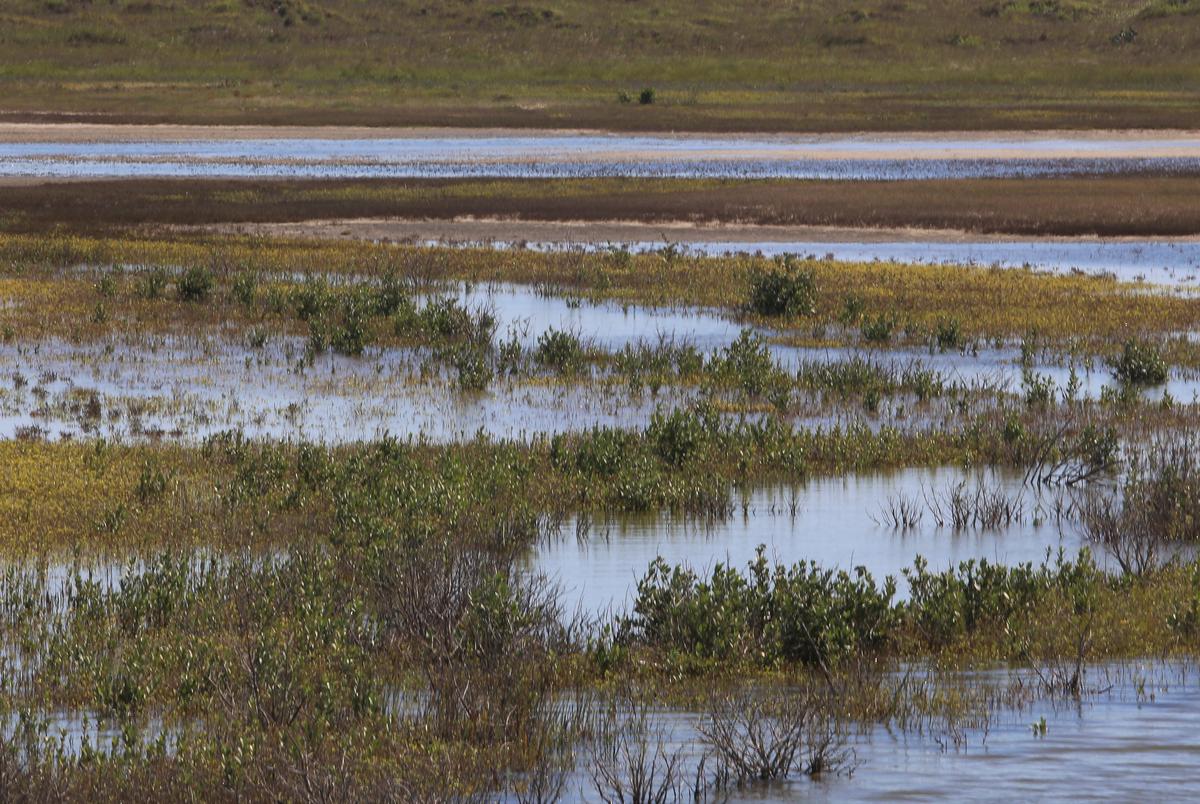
576, 232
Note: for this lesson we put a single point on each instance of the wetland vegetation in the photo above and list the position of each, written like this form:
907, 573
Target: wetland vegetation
294, 508
947, 306
266, 617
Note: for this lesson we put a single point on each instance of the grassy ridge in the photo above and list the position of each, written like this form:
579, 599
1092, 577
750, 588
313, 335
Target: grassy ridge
231, 493
848, 64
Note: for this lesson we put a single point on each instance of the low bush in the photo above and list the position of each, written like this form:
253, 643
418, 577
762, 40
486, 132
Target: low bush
559, 350
783, 289
1139, 364
195, 284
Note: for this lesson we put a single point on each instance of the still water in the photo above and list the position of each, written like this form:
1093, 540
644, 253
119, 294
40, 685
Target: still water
836, 522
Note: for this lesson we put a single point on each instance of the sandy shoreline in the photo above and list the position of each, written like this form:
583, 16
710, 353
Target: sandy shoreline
470, 230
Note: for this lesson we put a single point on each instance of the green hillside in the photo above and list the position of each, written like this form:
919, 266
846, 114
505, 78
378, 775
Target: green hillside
713, 65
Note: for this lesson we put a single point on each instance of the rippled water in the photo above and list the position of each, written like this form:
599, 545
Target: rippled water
1136, 741
1118, 747
553, 156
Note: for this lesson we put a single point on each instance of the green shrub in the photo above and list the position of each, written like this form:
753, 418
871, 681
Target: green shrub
153, 283
600, 452
1039, 389
245, 288
1140, 364
313, 299
879, 329
948, 334
765, 616
852, 310
474, 371
804, 614
195, 284
446, 320
352, 334
747, 364
392, 296
783, 289
559, 350
107, 286
678, 435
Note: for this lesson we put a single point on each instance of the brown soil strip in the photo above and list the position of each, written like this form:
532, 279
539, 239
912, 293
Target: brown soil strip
1110, 206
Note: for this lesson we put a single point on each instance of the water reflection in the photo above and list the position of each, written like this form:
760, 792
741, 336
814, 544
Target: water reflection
836, 522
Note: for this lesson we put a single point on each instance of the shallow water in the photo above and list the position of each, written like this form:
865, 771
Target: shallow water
187, 390
1159, 262
191, 387
1136, 741
837, 522
529, 313
1115, 748
558, 156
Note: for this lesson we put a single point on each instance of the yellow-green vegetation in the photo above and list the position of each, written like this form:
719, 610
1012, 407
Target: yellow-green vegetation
232, 493
848, 64
951, 306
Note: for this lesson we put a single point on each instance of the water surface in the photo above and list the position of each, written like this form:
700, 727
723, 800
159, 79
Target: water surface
1135, 741
1160, 262
572, 156
836, 522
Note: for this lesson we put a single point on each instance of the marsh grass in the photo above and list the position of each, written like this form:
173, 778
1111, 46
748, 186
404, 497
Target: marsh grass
1155, 509
685, 458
